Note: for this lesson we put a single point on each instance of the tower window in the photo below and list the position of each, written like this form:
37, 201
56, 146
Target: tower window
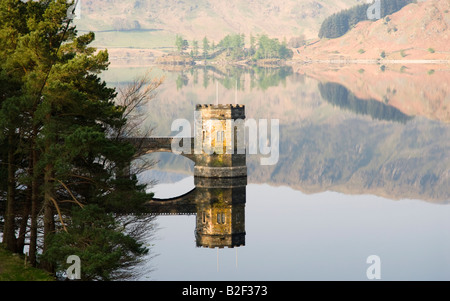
221, 218
220, 136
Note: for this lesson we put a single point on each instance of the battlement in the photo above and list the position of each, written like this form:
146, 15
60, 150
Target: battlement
220, 240
221, 111
219, 106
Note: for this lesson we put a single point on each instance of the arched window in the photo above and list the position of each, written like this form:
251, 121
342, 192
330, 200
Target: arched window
204, 217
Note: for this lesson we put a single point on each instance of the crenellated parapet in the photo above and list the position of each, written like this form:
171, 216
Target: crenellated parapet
221, 111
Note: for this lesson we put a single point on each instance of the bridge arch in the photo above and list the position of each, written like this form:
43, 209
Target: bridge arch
184, 197
160, 144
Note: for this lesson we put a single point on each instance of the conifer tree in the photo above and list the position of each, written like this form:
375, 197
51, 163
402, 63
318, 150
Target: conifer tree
206, 47
59, 126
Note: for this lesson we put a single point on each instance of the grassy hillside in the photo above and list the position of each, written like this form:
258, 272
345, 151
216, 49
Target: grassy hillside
12, 268
150, 24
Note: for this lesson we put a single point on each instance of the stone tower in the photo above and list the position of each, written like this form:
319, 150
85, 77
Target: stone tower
219, 141
220, 212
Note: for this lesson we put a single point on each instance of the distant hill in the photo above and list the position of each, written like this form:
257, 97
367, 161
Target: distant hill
338, 24
195, 19
418, 31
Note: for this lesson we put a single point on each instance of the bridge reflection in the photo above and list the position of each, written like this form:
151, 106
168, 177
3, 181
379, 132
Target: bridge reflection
219, 206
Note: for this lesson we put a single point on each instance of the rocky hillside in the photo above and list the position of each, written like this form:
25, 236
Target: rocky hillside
416, 32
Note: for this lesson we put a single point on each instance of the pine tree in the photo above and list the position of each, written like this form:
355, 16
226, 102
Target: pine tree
59, 124
205, 47
195, 48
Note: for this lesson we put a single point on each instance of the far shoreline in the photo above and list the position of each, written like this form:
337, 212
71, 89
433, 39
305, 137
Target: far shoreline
128, 57
369, 61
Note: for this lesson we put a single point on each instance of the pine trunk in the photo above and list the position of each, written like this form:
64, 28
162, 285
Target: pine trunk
24, 222
34, 206
49, 221
9, 237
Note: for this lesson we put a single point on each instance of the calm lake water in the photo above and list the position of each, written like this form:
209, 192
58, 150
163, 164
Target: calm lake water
363, 169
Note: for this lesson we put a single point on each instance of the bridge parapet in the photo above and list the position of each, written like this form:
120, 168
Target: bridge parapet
158, 144
216, 148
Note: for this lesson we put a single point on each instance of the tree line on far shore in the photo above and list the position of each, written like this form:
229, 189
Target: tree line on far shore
259, 47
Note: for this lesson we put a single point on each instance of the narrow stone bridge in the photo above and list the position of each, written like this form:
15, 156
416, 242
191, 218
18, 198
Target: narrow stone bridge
218, 139
185, 204
159, 144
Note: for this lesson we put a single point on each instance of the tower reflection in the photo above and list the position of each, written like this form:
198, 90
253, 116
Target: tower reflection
219, 206
220, 177
220, 212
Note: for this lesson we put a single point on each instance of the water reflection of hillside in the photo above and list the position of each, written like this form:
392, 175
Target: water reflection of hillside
415, 89
361, 156
333, 136
357, 156
341, 97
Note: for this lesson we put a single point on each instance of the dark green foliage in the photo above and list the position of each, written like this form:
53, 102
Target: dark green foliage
339, 23
93, 235
335, 26
58, 123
